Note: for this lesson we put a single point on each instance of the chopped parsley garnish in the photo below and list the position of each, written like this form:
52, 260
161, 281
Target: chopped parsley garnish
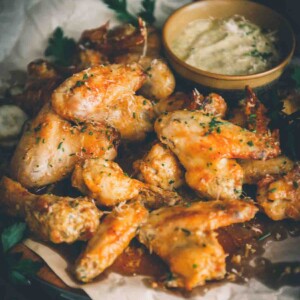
186, 231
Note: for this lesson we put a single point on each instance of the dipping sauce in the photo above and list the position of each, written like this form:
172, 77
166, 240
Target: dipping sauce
232, 46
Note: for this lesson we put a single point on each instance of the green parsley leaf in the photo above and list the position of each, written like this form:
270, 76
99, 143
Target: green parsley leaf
147, 13
61, 49
12, 235
120, 7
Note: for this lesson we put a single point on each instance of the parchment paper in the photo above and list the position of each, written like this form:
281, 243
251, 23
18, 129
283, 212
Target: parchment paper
25, 27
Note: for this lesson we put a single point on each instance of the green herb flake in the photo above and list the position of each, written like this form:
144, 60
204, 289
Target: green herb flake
250, 143
186, 231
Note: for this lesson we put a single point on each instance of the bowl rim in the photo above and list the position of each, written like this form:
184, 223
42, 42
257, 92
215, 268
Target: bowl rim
199, 71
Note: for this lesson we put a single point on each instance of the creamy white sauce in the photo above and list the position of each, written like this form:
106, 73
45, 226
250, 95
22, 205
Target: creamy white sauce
232, 46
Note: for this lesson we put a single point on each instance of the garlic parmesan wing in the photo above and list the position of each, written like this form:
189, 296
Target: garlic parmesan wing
280, 198
160, 167
255, 170
207, 146
49, 217
50, 147
183, 236
107, 94
105, 182
112, 238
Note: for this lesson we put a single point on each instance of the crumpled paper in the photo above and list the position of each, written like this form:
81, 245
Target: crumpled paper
25, 27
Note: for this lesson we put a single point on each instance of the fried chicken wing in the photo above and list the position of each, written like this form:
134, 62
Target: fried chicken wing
213, 104
107, 94
106, 182
255, 170
42, 79
189, 244
280, 198
112, 238
160, 82
160, 167
51, 146
49, 217
206, 147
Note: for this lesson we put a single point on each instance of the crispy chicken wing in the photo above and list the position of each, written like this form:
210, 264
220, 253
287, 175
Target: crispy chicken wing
213, 104
107, 94
51, 146
160, 167
206, 146
112, 238
255, 170
189, 244
106, 182
49, 217
280, 198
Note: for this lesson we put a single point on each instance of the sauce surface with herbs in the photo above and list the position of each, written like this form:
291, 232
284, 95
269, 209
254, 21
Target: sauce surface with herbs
233, 46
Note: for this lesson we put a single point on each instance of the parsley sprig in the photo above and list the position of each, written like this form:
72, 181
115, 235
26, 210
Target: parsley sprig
61, 49
120, 7
17, 269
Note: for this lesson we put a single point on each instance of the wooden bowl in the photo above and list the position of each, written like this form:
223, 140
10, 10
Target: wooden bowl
256, 13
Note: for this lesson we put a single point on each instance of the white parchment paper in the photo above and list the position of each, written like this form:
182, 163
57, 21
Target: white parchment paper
25, 26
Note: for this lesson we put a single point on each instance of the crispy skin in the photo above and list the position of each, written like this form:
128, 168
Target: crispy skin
207, 146
176, 101
112, 238
160, 81
255, 170
160, 167
107, 94
51, 146
105, 182
49, 217
280, 198
189, 244
213, 104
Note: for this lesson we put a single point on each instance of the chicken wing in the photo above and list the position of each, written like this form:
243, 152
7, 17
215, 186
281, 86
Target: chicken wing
106, 182
160, 81
107, 94
189, 244
112, 238
49, 217
255, 170
160, 167
206, 147
213, 104
280, 198
51, 146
